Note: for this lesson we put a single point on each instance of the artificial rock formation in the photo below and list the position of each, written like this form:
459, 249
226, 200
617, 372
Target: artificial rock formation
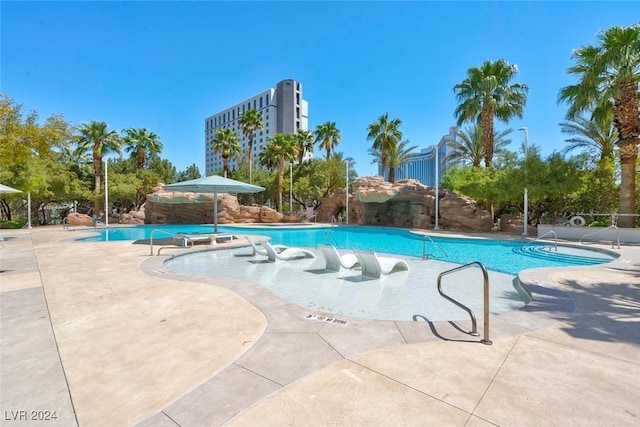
405, 203
165, 207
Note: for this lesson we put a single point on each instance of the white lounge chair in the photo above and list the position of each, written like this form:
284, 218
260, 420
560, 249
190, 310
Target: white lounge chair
375, 266
287, 254
262, 251
334, 260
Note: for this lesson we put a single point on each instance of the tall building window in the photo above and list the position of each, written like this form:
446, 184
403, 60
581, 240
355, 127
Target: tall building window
254, 104
297, 112
298, 98
267, 98
260, 102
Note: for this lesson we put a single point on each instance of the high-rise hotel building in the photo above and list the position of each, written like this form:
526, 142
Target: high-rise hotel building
424, 165
283, 111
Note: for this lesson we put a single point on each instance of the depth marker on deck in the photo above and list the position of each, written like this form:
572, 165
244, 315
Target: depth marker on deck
326, 319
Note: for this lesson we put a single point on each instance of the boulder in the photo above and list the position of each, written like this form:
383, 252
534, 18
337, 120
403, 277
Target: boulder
75, 218
164, 207
405, 203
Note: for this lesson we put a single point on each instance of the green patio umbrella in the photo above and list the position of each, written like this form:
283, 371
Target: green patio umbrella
213, 184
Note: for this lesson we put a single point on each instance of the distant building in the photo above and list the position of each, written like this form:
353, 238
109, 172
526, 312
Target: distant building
283, 111
422, 166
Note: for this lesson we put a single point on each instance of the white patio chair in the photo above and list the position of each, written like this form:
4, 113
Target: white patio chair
334, 260
287, 254
375, 266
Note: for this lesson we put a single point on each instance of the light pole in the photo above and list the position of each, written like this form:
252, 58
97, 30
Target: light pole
437, 188
106, 192
526, 201
346, 188
29, 209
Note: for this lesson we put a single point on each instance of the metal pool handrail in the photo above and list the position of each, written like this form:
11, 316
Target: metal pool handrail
555, 235
329, 234
187, 239
474, 325
425, 255
600, 231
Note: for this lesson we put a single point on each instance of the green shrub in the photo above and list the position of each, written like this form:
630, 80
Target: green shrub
598, 224
14, 224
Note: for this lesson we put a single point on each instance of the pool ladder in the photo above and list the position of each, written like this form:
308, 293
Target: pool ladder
613, 242
330, 238
474, 324
188, 241
550, 232
425, 255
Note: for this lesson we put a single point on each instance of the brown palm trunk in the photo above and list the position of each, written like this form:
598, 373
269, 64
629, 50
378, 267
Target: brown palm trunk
625, 112
486, 124
97, 181
250, 156
628, 160
280, 182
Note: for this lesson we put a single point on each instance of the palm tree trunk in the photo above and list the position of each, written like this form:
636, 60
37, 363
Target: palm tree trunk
383, 162
97, 182
250, 156
280, 182
628, 161
486, 124
625, 112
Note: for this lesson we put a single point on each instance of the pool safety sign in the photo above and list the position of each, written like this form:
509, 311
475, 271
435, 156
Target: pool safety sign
326, 319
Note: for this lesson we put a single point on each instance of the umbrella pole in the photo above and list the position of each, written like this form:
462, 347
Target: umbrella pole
215, 211
29, 209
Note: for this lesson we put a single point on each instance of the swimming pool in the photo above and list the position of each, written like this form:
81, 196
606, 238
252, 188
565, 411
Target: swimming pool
401, 296
504, 256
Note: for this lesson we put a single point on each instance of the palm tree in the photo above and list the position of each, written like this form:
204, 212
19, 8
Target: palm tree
468, 145
141, 143
608, 77
251, 121
305, 141
285, 145
596, 136
226, 142
327, 136
385, 135
487, 93
94, 137
269, 157
396, 157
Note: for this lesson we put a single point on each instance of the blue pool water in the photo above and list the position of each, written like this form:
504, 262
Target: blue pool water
498, 255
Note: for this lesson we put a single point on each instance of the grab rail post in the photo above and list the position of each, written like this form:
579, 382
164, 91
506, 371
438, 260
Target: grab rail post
555, 235
613, 242
187, 239
474, 325
424, 246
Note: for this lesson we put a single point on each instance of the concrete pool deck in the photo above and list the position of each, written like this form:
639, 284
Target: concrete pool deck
97, 333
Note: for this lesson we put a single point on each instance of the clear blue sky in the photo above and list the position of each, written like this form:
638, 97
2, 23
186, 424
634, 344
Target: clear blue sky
165, 66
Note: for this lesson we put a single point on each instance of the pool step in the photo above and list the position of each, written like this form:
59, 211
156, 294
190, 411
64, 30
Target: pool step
547, 252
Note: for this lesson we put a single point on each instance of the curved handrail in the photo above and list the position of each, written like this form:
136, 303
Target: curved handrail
170, 234
474, 325
425, 255
329, 234
600, 231
555, 235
